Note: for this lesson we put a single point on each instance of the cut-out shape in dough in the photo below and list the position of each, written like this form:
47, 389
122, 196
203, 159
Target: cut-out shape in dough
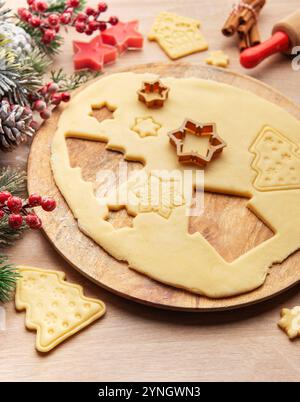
102, 112
153, 93
290, 321
190, 127
55, 308
276, 162
178, 36
146, 126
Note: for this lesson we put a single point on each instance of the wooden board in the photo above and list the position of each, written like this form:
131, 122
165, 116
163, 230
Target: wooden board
227, 224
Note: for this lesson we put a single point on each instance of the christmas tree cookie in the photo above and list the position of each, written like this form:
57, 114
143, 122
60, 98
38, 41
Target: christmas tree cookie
54, 308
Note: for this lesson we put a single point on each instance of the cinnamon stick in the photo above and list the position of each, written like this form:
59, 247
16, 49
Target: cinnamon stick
244, 42
231, 24
246, 14
245, 28
254, 35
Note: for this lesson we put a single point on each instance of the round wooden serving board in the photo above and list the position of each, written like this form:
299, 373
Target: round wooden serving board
227, 224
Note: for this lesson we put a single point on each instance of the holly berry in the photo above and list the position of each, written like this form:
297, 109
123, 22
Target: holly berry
102, 26
48, 204
35, 21
65, 18
73, 3
89, 32
33, 221
34, 200
56, 99
15, 221
102, 7
93, 25
65, 96
40, 105
30, 2
1, 213
52, 88
53, 20
41, 6
90, 11
113, 20
80, 26
4, 196
14, 204
82, 17
46, 114
48, 37
24, 14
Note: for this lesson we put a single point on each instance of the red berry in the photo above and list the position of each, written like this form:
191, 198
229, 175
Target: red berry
24, 14
14, 204
35, 125
90, 11
34, 200
82, 17
4, 196
33, 221
46, 114
53, 19
35, 21
113, 20
65, 18
48, 37
52, 87
41, 6
89, 32
102, 7
40, 105
30, 2
93, 26
65, 96
69, 10
48, 204
56, 99
80, 26
102, 26
73, 3
15, 221
1, 213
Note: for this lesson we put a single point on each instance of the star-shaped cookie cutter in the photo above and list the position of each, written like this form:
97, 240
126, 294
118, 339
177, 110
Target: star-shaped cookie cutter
215, 142
153, 93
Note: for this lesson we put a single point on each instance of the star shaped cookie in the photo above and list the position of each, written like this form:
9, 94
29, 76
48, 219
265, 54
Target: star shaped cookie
217, 58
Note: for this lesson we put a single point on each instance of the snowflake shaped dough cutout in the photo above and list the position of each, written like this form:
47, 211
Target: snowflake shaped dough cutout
146, 126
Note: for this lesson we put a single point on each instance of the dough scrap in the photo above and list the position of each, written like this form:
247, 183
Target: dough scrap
217, 58
178, 36
290, 321
54, 308
148, 246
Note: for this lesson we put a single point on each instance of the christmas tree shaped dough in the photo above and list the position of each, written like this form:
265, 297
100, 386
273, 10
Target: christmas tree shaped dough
159, 244
54, 308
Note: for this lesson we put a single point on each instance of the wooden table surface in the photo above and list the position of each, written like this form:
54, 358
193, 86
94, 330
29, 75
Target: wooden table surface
139, 343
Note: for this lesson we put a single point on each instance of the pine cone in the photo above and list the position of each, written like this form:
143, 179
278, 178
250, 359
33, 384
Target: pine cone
15, 125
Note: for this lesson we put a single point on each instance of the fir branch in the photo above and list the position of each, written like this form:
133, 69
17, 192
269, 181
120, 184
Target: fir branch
5, 13
73, 81
8, 279
13, 180
38, 61
17, 81
8, 235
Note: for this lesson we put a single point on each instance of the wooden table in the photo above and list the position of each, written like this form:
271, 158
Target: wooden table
138, 343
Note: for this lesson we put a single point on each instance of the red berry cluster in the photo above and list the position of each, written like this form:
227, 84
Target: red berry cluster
46, 97
38, 16
18, 210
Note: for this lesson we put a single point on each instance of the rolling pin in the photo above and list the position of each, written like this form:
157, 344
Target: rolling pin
285, 36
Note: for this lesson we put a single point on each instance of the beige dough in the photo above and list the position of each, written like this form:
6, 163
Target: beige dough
159, 244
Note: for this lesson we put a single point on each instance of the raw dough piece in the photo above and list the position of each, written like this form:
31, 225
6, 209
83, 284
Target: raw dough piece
290, 321
145, 126
54, 308
177, 36
217, 58
161, 247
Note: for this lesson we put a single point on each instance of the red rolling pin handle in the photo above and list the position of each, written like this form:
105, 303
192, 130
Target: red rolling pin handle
251, 57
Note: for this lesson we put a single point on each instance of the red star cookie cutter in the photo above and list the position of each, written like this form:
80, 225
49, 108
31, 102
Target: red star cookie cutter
189, 127
153, 93
124, 35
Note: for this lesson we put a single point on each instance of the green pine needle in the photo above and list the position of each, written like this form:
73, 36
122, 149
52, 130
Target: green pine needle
73, 81
58, 6
38, 61
8, 279
13, 180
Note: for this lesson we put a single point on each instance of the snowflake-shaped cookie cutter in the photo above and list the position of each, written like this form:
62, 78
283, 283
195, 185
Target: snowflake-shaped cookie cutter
215, 143
153, 93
